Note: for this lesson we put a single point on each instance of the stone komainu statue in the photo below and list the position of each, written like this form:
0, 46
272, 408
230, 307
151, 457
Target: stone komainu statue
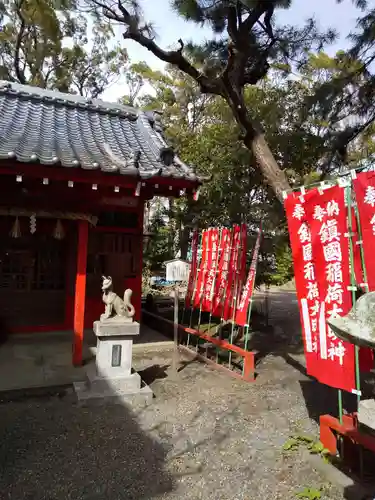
115, 306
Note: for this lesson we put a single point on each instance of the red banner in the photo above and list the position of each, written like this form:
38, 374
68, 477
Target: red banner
327, 217
364, 188
193, 269
239, 270
247, 293
198, 295
243, 259
210, 277
233, 273
366, 356
358, 272
222, 272
305, 276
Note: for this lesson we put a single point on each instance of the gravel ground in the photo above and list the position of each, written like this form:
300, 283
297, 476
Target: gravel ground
206, 436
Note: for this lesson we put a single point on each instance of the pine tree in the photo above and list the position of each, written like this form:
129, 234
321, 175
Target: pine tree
45, 43
248, 42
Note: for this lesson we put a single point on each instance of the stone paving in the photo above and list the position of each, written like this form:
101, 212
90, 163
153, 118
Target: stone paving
45, 359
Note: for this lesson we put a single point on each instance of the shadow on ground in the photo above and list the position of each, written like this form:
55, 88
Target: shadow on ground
356, 492
154, 372
321, 399
58, 450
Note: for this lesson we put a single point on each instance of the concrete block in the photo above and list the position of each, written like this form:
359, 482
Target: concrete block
116, 328
111, 379
366, 413
140, 397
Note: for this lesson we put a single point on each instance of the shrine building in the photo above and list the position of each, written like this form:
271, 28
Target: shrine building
75, 175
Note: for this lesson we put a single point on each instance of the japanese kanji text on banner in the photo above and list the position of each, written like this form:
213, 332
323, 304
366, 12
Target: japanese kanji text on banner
247, 292
317, 227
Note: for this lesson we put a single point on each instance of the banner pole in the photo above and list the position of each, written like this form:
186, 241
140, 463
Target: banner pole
184, 310
211, 272
175, 358
195, 276
214, 280
353, 285
234, 299
362, 253
223, 298
199, 244
255, 263
190, 286
204, 271
361, 247
340, 405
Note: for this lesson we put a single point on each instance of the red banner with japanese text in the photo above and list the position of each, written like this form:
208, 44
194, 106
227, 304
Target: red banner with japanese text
222, 272
233, 275
240, 271
364, 188
247, 292
243, 260
327, 218
201, 271
193, 269
366, 355
305, 275
210, 277
358, 271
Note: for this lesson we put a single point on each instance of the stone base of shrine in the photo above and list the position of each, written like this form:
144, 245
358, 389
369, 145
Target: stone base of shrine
129, 389
366, 415
111, 379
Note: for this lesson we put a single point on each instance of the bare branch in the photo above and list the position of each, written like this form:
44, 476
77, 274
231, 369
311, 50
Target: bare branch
232, 23
267, 21
175, 57
17, 62
109, 12
253, 17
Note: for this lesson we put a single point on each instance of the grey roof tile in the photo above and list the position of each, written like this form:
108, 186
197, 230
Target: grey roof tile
52, 128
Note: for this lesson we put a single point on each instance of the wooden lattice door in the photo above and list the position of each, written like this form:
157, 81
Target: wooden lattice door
32, 281
112, 254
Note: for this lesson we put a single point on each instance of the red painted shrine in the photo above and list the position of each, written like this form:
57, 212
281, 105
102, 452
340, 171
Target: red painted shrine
75, 175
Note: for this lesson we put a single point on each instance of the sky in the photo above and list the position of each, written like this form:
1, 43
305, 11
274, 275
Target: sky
169, 28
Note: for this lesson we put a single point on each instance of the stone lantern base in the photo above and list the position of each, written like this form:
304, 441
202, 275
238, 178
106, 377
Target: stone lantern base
112, 378
366, 414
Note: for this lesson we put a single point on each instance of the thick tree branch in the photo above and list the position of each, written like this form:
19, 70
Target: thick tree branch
175, 57
267, 21
253, 17
246, 59
232, 23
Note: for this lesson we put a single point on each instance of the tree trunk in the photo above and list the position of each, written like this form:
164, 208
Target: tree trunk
184, 242
172, 226
254, 139
273, 174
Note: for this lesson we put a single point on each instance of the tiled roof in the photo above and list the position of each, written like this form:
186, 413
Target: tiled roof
53, 128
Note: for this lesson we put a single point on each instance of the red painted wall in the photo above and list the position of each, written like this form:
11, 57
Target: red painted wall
94, 307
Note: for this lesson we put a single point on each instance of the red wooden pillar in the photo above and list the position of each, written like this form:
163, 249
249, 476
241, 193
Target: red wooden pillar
140, 271
80, 291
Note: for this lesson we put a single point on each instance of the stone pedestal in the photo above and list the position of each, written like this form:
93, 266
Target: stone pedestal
112, 375
366, 414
